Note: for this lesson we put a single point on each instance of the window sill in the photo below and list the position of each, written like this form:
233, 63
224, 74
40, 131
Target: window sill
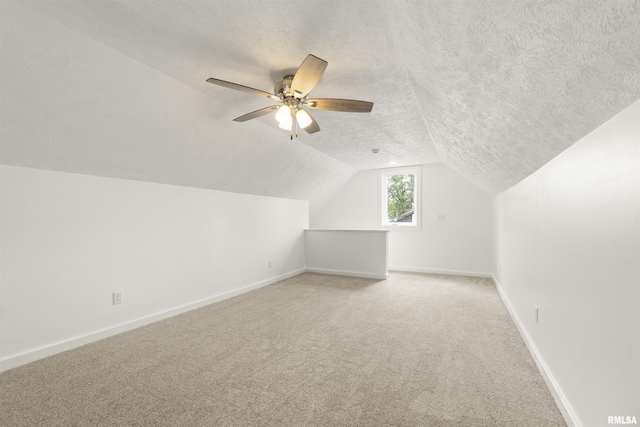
413, 227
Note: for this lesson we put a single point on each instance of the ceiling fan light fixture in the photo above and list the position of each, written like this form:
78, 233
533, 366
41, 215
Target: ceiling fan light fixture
284, 115
286, 123
303, 118
285, 126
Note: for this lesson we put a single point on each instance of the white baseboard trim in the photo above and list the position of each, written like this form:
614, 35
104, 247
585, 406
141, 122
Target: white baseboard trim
20, 359
348, 273
564, 406
437, 271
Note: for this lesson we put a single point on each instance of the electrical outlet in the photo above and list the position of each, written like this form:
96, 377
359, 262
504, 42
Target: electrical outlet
536, 314
117, 297
270, 264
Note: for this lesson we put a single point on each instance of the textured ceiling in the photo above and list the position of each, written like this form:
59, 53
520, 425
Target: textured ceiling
494, 89
505, 86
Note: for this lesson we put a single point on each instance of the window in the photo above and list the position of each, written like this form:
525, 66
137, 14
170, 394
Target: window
400, 197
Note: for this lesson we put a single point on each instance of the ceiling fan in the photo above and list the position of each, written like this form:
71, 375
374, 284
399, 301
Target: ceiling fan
293, 93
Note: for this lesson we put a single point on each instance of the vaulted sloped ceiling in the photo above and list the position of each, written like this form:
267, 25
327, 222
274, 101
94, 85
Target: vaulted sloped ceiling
493, 88
504, 86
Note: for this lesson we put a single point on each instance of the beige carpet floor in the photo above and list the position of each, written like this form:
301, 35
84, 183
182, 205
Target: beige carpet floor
313, 350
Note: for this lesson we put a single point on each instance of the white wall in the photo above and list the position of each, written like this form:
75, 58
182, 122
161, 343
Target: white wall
567, 240
70, 240
460, 244
360, 253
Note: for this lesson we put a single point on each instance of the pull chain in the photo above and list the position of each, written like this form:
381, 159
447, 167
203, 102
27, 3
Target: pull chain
293, 119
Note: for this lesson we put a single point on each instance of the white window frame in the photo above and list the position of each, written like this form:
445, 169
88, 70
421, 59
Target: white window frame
417, 211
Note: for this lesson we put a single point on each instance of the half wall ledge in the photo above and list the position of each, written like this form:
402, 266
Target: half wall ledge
358, 253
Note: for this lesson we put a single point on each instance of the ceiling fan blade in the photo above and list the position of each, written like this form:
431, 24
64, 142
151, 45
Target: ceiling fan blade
242, 88
313, 127
307, 76
256, 114
347, 105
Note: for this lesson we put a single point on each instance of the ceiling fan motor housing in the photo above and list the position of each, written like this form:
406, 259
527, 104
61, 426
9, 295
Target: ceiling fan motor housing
284, 86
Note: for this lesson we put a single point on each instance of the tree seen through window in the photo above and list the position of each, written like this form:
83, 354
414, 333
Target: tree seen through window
400, 195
